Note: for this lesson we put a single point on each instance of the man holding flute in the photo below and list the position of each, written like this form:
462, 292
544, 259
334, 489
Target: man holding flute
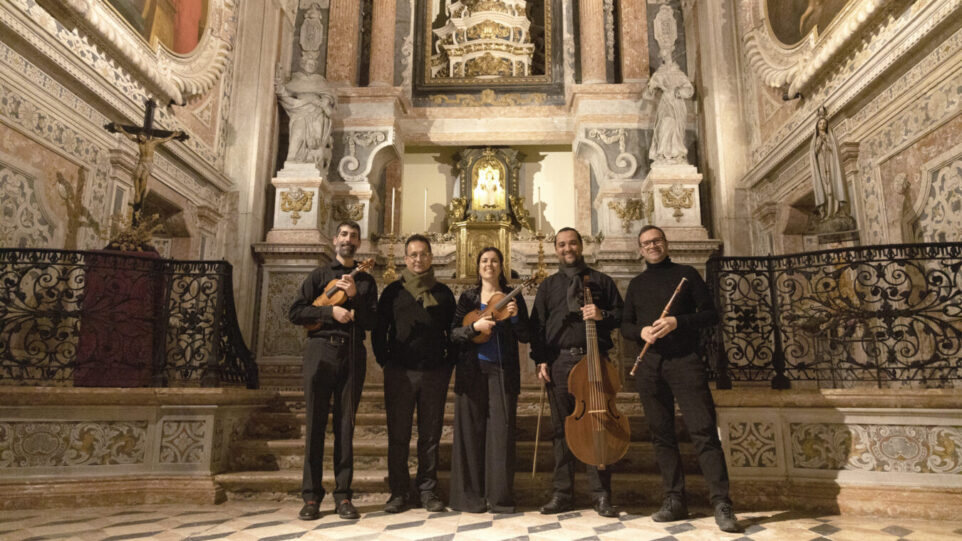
672, 369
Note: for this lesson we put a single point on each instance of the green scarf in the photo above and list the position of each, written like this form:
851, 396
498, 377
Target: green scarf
575, 293
419, 286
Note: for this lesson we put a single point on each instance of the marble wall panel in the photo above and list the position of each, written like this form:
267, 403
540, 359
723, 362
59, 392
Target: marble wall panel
752, 444
182, 441
31, 444
877, 447
278, 336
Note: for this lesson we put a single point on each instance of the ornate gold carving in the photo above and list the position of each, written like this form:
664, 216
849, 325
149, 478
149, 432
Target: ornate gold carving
629, 211
489, 97
296, 201
521, 214
488, 65
343, 210
677, 198
456, 209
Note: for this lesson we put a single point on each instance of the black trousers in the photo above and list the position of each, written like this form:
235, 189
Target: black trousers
329, 372
483, 456
403, 391
562, 405
660, 382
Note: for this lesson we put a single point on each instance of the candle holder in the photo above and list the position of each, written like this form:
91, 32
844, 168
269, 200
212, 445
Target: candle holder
390, 274
542, 271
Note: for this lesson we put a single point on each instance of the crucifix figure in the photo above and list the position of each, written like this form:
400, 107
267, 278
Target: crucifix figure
147, 139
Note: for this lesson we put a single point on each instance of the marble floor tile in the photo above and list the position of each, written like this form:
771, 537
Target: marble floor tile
277, 521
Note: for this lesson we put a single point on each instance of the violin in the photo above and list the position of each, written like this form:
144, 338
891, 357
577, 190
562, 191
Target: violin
496, 308
596, 432
335, 296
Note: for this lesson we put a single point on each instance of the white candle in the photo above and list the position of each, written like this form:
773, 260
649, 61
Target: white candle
537, 209
425, 210
393, 193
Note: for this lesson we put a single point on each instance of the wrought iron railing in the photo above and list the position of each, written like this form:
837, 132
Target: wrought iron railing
888, 315
104, 318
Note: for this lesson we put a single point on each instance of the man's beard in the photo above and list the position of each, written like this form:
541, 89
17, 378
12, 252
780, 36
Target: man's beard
346, 250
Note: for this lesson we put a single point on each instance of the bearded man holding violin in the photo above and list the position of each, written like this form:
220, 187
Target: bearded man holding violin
558, 342
334, 364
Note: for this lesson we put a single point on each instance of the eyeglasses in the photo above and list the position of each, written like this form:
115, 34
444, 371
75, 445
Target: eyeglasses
652, 242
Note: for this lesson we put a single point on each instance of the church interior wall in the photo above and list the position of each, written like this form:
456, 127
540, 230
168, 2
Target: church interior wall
893, 103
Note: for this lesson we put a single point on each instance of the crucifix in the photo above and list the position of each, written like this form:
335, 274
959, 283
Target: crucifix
147, 140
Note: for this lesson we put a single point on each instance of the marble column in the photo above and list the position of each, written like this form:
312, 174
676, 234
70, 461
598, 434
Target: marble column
382, 43
344, 39
634, 41
592, 23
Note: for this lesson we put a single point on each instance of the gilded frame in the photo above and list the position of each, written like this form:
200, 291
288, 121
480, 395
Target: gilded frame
170, 77
424, 67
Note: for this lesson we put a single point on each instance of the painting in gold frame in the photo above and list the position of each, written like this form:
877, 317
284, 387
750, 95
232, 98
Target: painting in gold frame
433, 16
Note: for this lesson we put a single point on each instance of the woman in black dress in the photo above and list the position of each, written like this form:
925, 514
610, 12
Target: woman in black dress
487, 383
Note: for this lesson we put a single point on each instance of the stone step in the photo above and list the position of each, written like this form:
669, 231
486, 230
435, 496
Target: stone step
270, 455
628, 489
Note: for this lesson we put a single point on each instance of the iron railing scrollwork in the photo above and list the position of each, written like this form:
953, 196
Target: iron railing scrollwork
69, 317
890, 315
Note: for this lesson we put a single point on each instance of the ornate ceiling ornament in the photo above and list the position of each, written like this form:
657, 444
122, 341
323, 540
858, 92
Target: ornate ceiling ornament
165, 74
797, 65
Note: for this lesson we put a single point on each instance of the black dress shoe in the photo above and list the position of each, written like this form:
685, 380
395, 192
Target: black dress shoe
556, 505
725, 518
396, 504
310, 511
346, 510
672, 509
431, 502
604, 508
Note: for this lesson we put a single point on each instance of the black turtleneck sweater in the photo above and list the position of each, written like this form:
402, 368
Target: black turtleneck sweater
647, 295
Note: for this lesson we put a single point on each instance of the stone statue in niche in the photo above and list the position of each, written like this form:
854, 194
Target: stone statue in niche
828, 179
671, 114
309, 101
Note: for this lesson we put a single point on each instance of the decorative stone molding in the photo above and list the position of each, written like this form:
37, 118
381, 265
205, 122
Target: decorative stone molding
608, 161
297, 219
343, 210
182, 441
62, 444
361, 148
798, 65
490, 98
170, 76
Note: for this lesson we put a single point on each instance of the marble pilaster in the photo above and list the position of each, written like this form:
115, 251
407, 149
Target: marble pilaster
634, 41
344, 42
676, 206
592, 25
382, 43
301, 208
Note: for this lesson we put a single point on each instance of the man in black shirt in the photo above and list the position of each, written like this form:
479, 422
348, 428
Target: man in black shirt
558, 343
673, 370
411, 343
334, 364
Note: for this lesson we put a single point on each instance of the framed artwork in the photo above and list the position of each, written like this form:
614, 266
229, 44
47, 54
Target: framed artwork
794, 40
473, 45
178, 24
176, 48
792, 20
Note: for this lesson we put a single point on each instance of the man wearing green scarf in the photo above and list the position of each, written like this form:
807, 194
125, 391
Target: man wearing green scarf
411, 344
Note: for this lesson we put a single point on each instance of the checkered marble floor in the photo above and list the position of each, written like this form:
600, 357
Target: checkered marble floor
276, 521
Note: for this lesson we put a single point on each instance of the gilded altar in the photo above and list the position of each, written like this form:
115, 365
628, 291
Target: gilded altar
487, 207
